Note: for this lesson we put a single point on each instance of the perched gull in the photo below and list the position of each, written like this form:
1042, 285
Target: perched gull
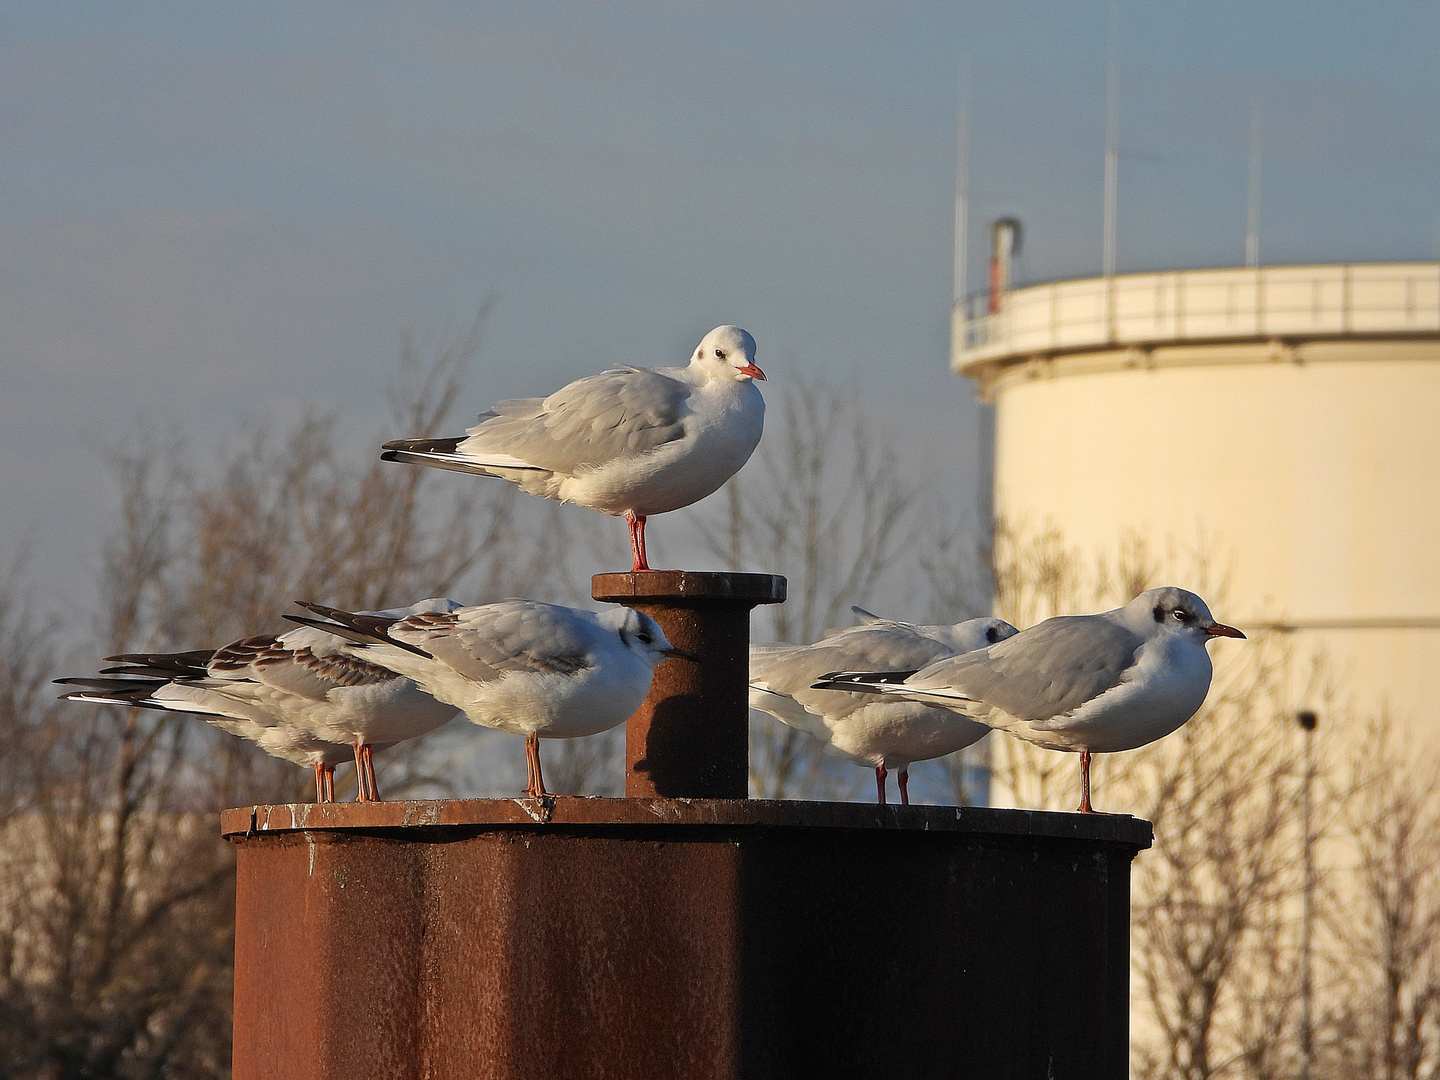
881, 732
962, 637
538, 670
178, 694
628, 442
1096, 684
303, 689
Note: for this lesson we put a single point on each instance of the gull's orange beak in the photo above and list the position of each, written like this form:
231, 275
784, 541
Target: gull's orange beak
753, 371
1221, 630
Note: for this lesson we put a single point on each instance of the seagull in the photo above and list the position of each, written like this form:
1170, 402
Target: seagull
1092, 684
533, 669
302, 688
277, 739
962, 637
883, 733
628, 442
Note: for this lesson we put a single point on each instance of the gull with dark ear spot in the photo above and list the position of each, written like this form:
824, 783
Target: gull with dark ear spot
538, 670
887, 734
1088, 684
962, 637
630, 442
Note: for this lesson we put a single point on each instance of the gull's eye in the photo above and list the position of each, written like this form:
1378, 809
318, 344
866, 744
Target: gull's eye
992, 635
1181, 615
644, 637
719, 354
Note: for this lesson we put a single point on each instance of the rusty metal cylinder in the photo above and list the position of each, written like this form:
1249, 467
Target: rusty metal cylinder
690, 738
679, 939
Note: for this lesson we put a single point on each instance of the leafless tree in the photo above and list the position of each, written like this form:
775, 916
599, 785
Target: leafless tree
115, 892
1214, 904
1389, 928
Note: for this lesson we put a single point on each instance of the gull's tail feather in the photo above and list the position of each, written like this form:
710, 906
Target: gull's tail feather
131, 693
99, 697
164, 665
864, 682
445, 454
360, 629
113, 685
893, 683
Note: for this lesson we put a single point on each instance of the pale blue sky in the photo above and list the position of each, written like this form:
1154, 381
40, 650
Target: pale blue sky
213, 212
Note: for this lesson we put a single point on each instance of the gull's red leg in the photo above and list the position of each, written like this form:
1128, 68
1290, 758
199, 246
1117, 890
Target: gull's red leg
362, 789
329, 783
1085, 807
637, 541
320, 782
880, 775
904, 779
368, 753
535, 789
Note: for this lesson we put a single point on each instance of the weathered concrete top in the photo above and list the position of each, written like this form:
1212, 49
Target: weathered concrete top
566, 811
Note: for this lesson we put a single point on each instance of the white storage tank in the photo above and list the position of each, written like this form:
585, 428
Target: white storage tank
1283, 422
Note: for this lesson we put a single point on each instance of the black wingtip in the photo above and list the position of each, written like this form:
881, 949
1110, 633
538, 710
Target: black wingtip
424, 446
361, 629
316, 623
865, 682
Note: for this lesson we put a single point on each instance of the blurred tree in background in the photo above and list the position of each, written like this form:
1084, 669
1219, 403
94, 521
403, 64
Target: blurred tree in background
115, 896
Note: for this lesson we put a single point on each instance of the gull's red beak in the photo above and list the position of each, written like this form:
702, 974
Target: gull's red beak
1221, 630
753, 371
680, 654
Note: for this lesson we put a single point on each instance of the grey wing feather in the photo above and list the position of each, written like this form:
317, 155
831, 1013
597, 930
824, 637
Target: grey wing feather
485, 642
299, 672
1045, 672
589, 422
864, 618
870, 649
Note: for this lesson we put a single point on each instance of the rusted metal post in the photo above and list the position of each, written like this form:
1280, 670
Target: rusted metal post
689, 739
679, 939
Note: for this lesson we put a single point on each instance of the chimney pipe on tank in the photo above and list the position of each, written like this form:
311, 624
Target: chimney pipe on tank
1004, 245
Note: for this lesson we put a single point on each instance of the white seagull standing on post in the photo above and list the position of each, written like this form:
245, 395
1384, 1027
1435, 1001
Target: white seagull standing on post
885, 733
1092, 684
538, 670
630, 442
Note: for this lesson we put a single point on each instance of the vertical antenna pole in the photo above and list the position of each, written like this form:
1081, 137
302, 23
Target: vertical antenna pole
1112, 142
1252, 195
962, 185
